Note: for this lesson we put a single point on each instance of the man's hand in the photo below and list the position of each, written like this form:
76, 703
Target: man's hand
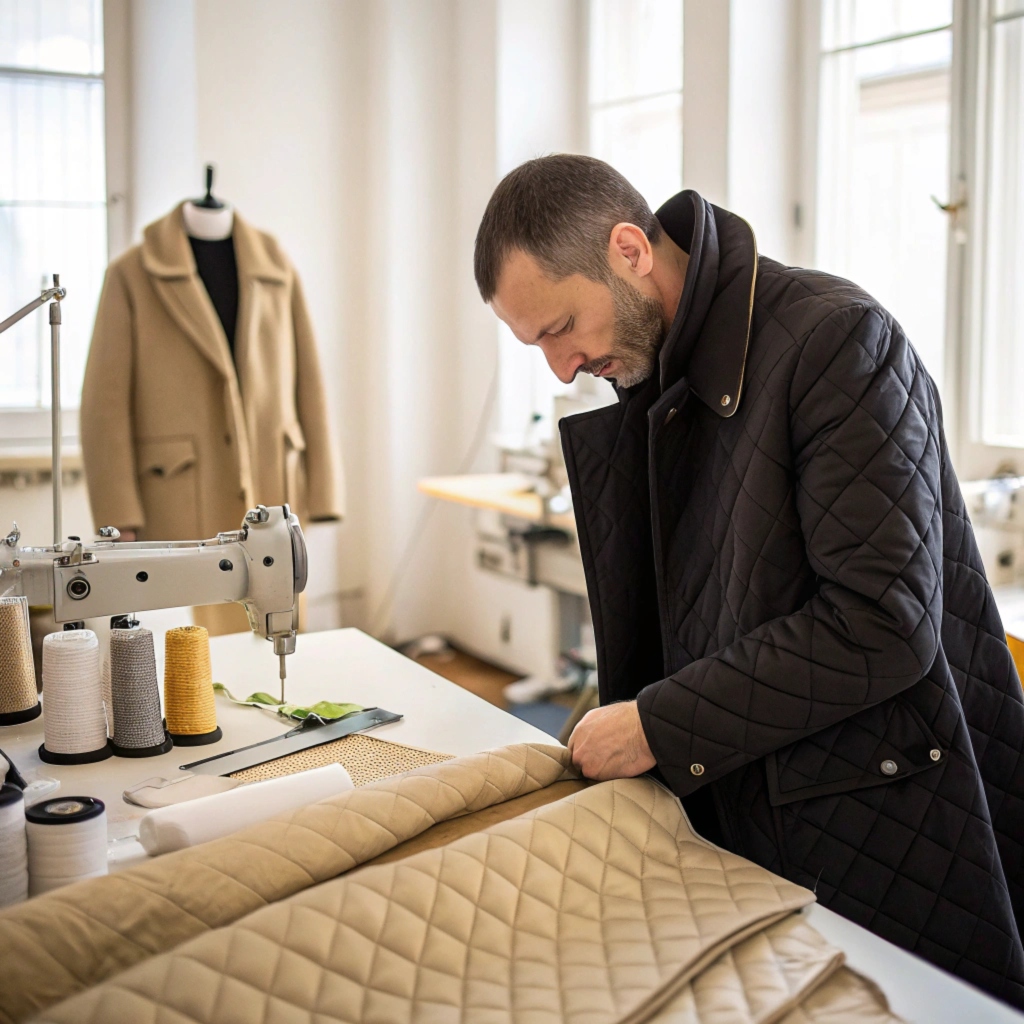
609, 743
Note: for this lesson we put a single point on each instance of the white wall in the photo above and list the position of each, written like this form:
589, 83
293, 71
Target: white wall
741, 111
163, 105
279, 113
368, 136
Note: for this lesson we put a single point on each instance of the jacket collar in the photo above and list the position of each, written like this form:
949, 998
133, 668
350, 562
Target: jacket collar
166, 252
707, 341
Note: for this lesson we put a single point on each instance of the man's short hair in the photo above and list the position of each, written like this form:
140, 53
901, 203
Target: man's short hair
560, 210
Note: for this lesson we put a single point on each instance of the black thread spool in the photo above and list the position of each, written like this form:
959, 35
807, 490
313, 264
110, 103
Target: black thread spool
135, 695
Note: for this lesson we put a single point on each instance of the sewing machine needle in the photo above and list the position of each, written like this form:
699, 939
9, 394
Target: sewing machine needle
283, 673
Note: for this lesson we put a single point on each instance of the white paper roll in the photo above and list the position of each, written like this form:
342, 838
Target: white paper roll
211, 817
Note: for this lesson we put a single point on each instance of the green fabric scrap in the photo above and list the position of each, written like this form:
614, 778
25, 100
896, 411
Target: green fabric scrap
325, 710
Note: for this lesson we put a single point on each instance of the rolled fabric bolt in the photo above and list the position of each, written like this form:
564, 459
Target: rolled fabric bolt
67, 841
212, 817
135, 693
74, 725
19, 701
188, 687
13, 847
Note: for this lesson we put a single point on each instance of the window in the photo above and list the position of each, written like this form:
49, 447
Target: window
883, 153
633, 119
1002, 253
52, 187
635, 92
920, 101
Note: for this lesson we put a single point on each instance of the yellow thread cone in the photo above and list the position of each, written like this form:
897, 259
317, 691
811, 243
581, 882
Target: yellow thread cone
188, 682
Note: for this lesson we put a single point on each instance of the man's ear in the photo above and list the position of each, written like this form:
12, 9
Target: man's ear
630, 251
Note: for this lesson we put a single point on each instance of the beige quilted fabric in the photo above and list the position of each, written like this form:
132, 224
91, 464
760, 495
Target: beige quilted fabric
758, 980
845, 998
65, 941
597, 909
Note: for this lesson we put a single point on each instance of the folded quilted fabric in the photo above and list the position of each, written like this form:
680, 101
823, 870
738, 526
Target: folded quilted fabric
598, 909
63, 942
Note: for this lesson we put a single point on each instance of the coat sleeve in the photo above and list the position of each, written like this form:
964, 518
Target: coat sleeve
106, 427
324, 478
865, 440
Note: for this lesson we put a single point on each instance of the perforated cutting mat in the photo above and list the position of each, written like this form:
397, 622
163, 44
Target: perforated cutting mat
365, 758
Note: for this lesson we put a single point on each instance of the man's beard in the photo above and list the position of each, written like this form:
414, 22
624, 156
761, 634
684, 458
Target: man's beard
639, 332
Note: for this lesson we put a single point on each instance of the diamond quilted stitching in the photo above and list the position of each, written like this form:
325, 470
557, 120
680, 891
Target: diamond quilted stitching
575, 912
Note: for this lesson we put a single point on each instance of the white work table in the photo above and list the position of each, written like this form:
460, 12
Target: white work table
343, 665
347, 665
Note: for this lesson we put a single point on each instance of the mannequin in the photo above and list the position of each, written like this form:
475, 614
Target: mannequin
209, 224
182, 428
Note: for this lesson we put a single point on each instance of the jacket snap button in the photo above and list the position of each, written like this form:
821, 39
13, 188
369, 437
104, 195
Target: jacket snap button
889, 767
697, 769
726, 399
935, 755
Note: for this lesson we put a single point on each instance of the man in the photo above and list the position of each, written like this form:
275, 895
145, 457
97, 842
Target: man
793, 623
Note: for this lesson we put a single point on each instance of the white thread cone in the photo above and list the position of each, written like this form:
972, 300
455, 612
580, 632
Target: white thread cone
13, 847
73, 719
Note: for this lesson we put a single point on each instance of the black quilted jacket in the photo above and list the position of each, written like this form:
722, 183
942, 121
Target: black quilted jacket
782, 572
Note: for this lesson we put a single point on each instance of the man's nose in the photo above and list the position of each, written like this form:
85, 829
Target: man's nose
564, 366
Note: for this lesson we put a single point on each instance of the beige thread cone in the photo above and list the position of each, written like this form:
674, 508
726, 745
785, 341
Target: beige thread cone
188, 685
19, 701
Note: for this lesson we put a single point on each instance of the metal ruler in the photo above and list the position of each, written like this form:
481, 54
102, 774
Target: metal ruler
301, 738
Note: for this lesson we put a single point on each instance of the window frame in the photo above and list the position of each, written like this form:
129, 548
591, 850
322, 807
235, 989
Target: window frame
964, 298
588, 106
29, 428
969, 166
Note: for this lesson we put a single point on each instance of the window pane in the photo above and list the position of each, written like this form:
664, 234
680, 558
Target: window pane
643, 140
52, 35
849, 22
51, 140
52, 189
1001, 8
1003, 328
636, 48
884, 151
38, 241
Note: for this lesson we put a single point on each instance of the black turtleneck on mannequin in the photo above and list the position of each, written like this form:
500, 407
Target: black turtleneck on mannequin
218, 270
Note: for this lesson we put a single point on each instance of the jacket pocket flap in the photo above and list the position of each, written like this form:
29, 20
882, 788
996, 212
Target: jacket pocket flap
166, 457
294, 436
881, 744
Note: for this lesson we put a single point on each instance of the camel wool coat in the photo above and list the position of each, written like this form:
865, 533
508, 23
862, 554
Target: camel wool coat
178, 438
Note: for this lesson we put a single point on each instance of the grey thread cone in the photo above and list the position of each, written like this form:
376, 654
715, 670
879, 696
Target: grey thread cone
134, 689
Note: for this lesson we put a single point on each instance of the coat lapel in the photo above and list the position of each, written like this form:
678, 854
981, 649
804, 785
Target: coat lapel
261, 269
708, 339
168, 260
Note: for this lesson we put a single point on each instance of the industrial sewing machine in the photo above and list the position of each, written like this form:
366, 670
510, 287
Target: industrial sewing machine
263, 564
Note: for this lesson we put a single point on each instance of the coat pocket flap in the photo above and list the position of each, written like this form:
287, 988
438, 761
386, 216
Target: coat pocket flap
294, 436
881, 744
167, 456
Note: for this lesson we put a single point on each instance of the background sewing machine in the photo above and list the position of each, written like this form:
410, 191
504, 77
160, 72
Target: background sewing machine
263, 564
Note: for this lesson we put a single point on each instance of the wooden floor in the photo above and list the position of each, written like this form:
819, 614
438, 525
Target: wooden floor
480, 677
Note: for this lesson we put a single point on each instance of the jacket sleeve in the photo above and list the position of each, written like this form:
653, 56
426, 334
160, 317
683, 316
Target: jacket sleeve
324, 478
107, 432
864, 437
